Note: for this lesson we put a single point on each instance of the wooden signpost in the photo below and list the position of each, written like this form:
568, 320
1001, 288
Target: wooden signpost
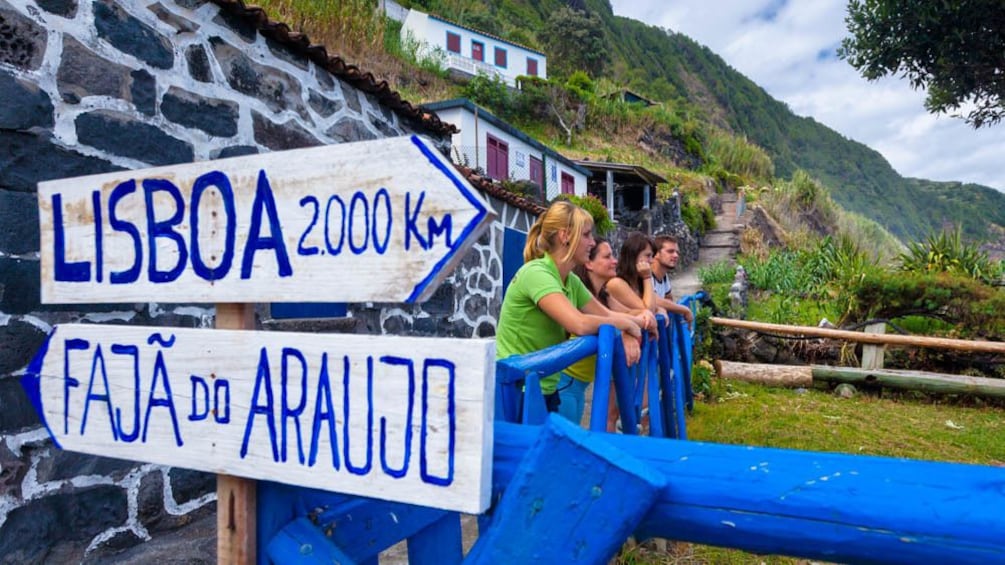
382, 220
395, 418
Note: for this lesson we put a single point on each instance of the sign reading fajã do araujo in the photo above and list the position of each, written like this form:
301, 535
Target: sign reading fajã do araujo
382, 220
398, 418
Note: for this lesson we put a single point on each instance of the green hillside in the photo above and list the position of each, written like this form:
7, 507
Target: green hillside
672, 68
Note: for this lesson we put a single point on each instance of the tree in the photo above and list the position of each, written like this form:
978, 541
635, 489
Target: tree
575, 41
955, 49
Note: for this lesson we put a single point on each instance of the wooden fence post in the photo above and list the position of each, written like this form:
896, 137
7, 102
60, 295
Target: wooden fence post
872, 355
236, 507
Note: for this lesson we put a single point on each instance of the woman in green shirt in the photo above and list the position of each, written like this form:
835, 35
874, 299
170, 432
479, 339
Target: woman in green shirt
546, 301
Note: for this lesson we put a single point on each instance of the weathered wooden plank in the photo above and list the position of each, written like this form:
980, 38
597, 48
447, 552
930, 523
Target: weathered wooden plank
383, 220
544, 517
862, 337
834, 507
395, 418
912, 380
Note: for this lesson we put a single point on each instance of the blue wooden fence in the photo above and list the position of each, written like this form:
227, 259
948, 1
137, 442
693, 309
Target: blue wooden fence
664, 371
836, 507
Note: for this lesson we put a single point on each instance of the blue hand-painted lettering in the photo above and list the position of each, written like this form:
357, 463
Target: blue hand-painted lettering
379, 245
365, 468
323, 412
134, 352
424, 463
99, 246
436, 229
167, 401
265, 204
411, 220
222, 184
132, 274
221, 409
263, 385
406, 450
164, 229
359, 199
200, 391
69, 381
311, 249
291, 412
79, 271
98, 364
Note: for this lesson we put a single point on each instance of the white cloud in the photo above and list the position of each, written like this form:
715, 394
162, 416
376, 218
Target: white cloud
788, 48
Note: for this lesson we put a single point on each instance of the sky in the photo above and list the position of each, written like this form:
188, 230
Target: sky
789, 48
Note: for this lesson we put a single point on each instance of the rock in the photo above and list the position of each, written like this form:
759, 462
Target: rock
845, 390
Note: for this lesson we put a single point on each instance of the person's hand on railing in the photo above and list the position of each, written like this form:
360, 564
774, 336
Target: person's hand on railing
633, 348
666, 316
647, 321
631, 335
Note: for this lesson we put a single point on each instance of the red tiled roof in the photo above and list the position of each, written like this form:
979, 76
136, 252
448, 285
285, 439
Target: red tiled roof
492, 188
299, 43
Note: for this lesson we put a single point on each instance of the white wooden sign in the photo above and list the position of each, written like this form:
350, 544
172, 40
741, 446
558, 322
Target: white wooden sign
397, 418
382, 220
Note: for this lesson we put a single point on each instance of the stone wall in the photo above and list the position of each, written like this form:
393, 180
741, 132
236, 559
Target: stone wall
91, 86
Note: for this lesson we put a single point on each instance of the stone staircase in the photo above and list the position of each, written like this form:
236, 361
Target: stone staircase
717, 245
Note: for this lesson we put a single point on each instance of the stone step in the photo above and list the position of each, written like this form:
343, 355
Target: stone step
719, 239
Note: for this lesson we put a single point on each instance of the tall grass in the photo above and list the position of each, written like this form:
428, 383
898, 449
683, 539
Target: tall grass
740, 156
349, 28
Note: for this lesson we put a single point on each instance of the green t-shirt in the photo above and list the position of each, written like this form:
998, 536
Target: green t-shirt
523, 327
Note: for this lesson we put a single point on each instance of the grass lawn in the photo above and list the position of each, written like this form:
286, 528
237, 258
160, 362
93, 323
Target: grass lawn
816, 420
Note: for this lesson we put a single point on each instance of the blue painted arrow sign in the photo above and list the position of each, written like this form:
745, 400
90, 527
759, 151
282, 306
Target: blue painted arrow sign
383, 220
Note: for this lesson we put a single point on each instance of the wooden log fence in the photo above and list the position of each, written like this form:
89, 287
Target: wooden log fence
863, 337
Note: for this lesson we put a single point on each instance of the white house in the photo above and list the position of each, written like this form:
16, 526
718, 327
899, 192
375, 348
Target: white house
471, 51
503, 152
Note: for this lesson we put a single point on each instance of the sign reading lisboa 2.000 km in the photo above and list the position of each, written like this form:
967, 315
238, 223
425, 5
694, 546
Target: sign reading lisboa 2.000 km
397, 418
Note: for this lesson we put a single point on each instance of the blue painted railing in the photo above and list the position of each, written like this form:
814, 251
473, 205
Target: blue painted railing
663, 373
828, 506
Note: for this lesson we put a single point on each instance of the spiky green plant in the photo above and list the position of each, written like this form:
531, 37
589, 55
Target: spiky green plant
947, 252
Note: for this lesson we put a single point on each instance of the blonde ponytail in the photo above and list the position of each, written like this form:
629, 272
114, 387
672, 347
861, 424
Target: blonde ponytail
561, 215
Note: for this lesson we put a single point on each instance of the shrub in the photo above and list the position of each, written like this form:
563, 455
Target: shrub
716, 273
602, 223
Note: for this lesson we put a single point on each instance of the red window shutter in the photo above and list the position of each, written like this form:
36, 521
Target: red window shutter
568, 184
497, 166
453, 42
531, 67
500, 57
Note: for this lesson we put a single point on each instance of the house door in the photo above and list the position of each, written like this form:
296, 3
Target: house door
537, 173
497, 164
568, 184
